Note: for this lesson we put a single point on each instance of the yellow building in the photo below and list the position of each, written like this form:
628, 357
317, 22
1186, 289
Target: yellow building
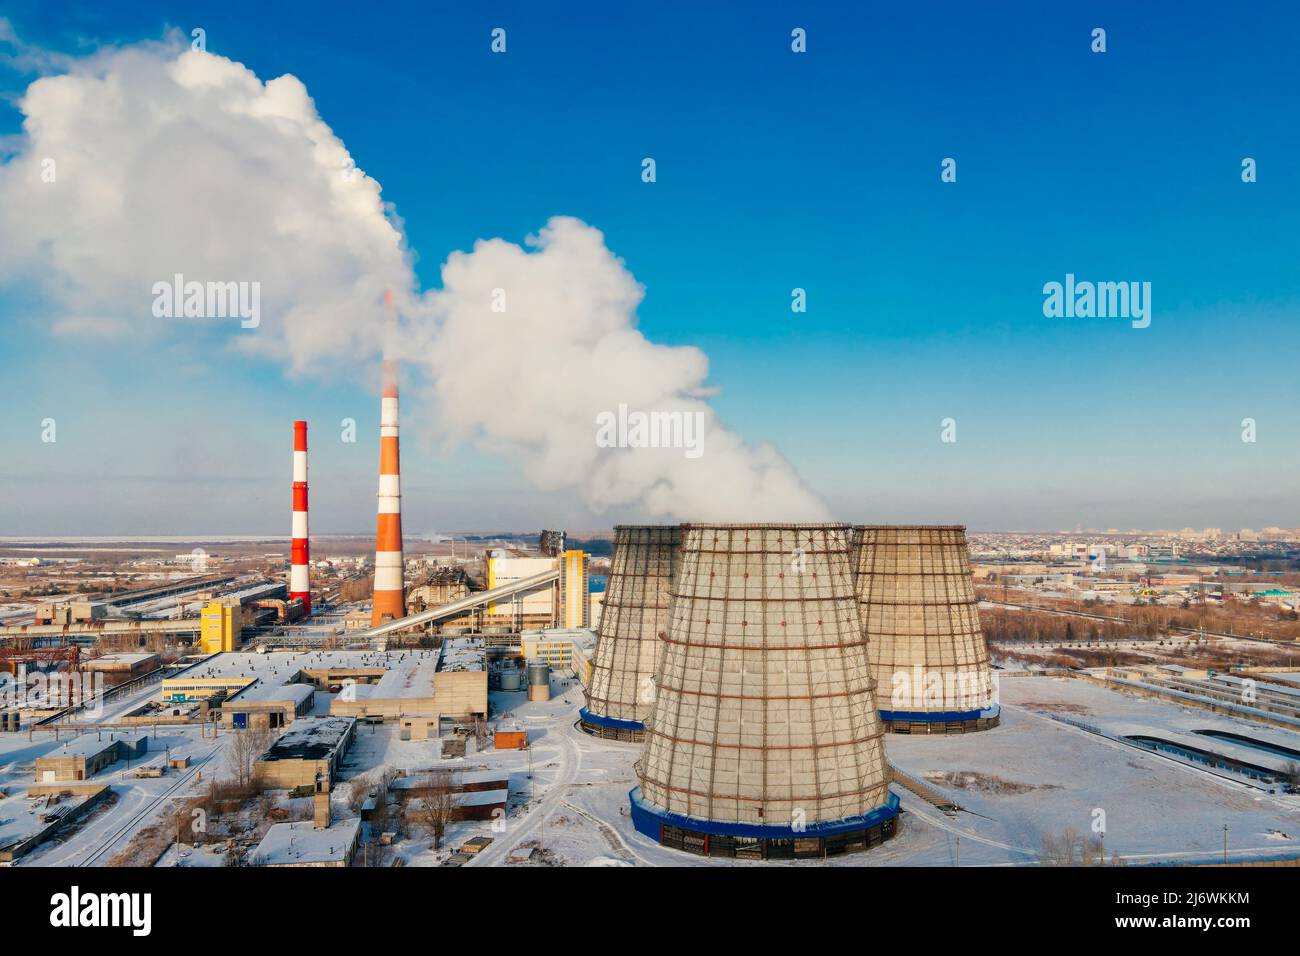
220, 627
575, 591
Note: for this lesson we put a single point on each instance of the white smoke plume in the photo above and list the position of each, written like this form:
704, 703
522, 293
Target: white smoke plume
563, 350
168, 160
146, 162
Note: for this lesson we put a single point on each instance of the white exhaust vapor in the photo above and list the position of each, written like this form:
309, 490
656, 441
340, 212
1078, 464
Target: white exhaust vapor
172, 162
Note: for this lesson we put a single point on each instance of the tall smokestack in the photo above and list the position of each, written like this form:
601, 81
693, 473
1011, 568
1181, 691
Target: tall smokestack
388, 600
299, 578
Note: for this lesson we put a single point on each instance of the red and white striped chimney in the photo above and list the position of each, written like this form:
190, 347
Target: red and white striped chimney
299, 578
388, 596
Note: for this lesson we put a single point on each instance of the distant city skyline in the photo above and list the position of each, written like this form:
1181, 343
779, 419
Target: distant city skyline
775, 172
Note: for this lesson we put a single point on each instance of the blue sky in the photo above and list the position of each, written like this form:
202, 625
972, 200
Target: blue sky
775, 170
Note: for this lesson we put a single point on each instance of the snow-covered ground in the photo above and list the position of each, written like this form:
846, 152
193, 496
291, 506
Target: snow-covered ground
1030, 777
1034, 776
137, 801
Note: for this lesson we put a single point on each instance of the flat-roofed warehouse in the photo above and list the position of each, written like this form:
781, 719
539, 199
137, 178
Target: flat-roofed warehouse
302, 844
83, 757
310, 750
273, 689
452, 681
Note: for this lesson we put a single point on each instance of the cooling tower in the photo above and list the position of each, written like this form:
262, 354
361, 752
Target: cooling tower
300, 548
633, 615
389, 566
764, 741
918, 604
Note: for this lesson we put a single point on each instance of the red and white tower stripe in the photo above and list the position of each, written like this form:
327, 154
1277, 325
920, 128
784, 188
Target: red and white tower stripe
299, 579
388, 602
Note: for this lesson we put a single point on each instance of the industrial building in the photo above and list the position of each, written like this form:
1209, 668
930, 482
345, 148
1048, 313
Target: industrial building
302, 844
567, 603
252, 690
533, 610
764, 741
220, 626
309, 751
123, 665
919, 610
83, 757
451, 681
267, 705
634, 614
575, 590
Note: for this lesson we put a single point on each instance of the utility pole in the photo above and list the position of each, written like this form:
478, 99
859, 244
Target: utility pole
1225, 843
958, 863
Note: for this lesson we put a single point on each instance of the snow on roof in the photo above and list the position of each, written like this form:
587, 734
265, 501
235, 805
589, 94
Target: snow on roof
407, 673
108, 660
471, 798
462, 654
311, 738
481, 798
87, 745
298, 693
463, 779
300, 843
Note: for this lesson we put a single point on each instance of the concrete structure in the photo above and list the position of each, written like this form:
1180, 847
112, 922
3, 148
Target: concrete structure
919, 610
451, 681
764, 741
306, 754
78, 612
302, 844
562, 648
83, 757
124, 665
267, 705
389, 601
536, 609
300, 548
420, 727
634, 615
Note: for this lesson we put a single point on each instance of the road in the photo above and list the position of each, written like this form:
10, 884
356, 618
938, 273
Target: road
570, 762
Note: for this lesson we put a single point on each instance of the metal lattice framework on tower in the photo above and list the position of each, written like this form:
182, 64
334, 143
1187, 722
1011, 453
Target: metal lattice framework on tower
633, 617
920, 614
764, 739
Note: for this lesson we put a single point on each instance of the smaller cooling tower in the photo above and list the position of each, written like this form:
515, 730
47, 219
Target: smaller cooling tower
920, 615
634, 615
764, 741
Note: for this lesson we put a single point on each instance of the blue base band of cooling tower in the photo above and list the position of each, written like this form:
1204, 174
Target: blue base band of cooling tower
612, 722
940, 716
647, 819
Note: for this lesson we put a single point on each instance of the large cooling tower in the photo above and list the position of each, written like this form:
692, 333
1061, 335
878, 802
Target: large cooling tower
764, 741
633, 615
928, 655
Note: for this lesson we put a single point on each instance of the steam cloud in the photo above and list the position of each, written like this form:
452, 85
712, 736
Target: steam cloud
170, 160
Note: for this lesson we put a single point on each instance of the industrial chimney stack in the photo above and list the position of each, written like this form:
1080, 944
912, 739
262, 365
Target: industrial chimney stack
299, 576
388, 597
